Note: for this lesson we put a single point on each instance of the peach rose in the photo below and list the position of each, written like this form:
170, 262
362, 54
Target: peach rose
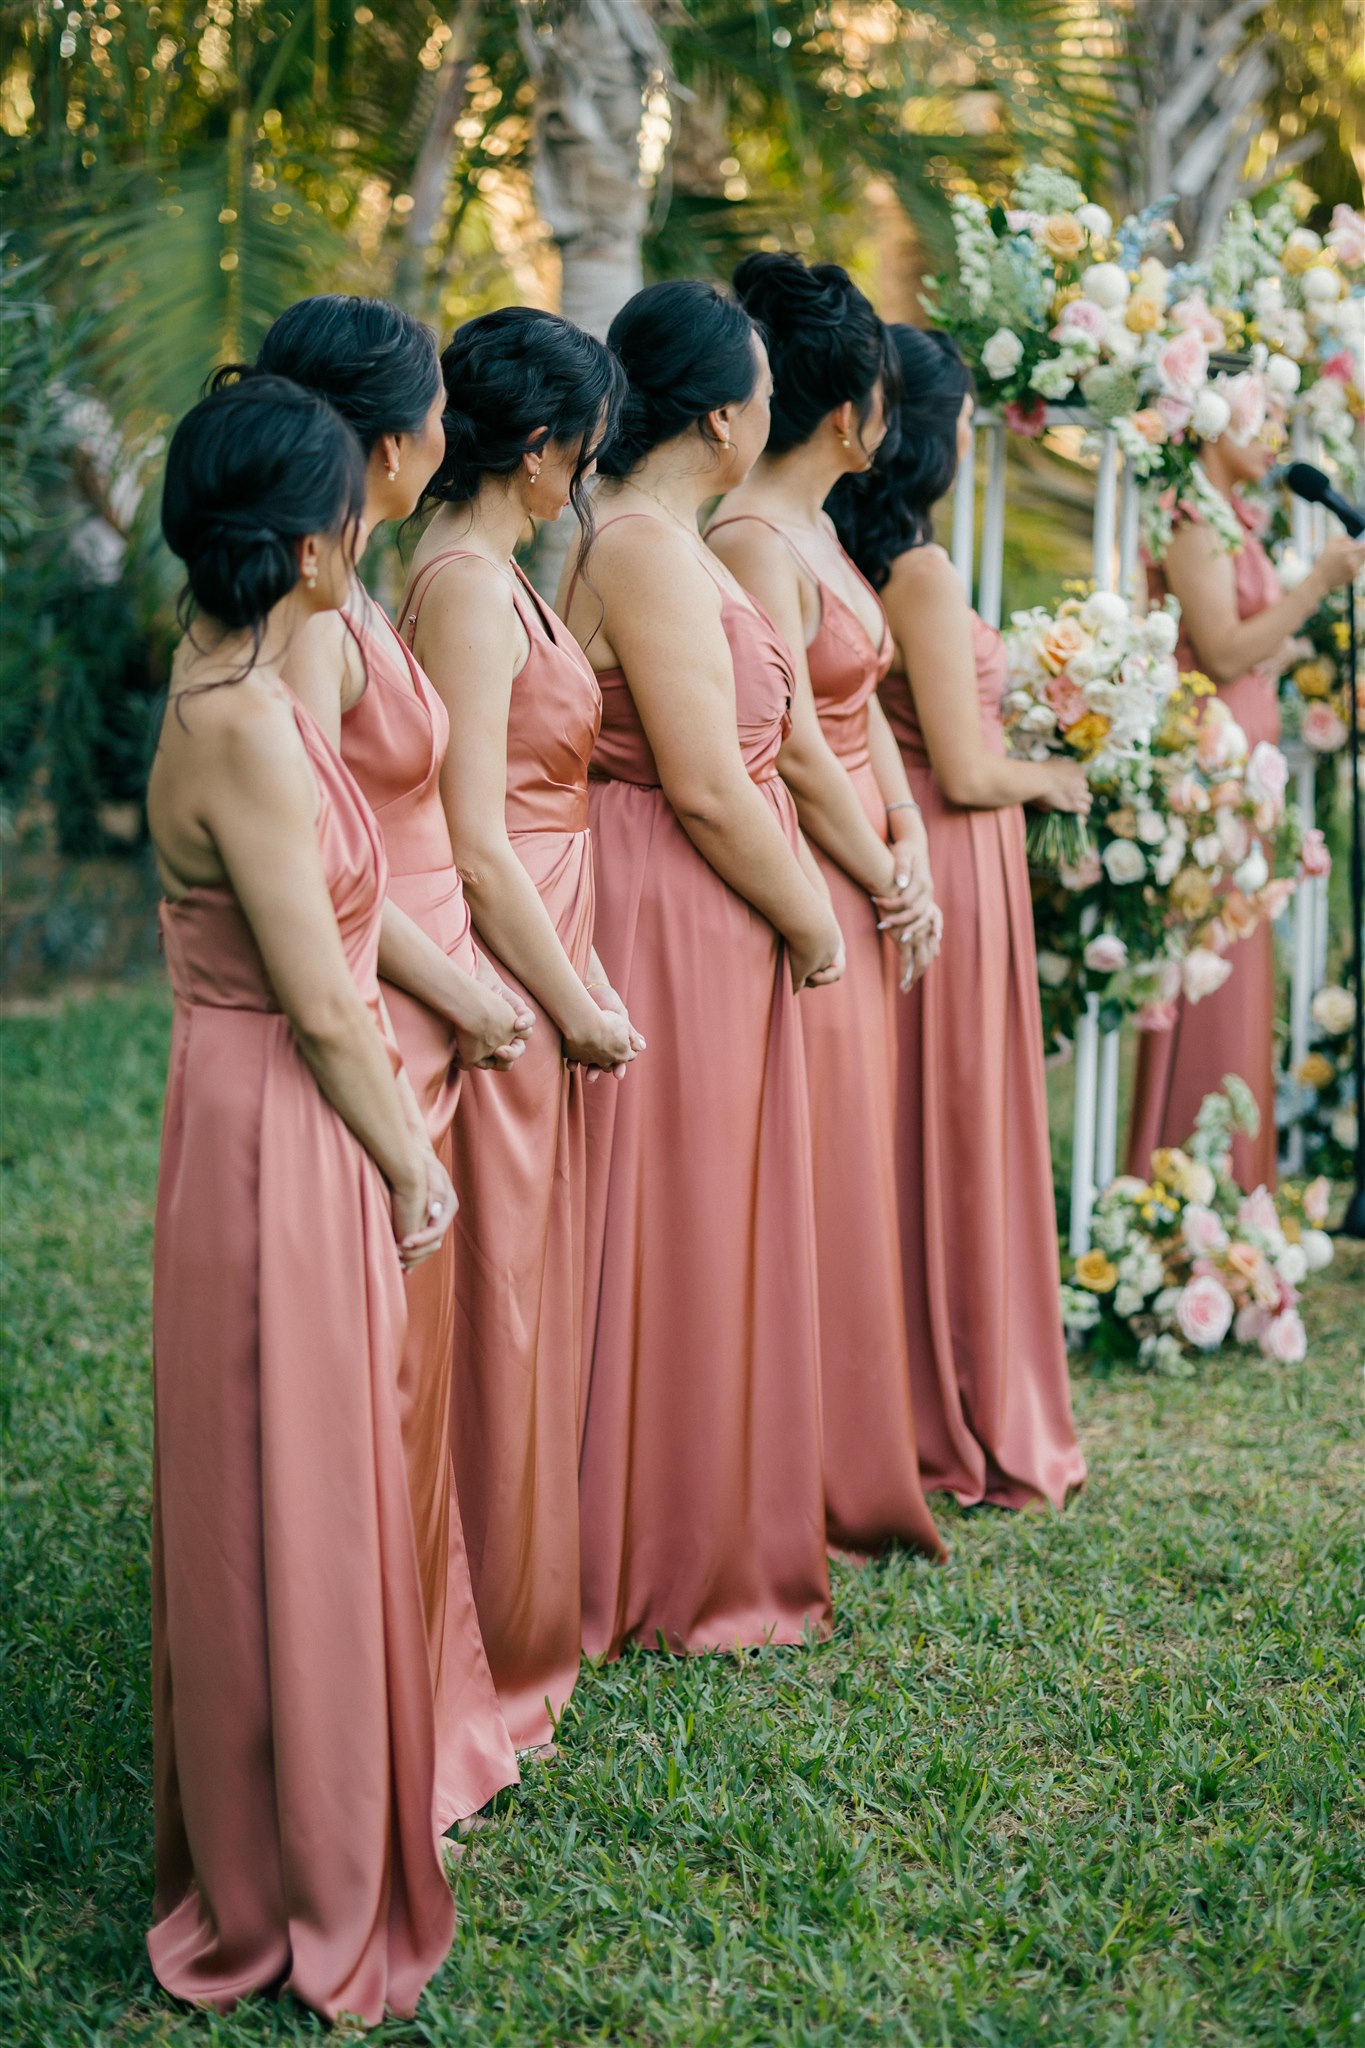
1192, 892
1239, 918
1203, 973
1317, 1198
1062, 236
1244, 1259
1060, 643
1149, 422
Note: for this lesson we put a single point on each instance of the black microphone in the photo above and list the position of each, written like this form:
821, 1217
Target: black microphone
1316, 489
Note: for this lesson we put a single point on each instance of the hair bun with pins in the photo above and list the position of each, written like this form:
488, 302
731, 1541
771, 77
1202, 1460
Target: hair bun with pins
825, 342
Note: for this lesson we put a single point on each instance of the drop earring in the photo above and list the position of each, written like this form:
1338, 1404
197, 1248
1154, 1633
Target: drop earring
310, 577
393, 474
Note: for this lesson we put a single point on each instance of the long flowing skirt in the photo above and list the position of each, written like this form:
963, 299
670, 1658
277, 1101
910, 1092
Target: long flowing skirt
702, 1500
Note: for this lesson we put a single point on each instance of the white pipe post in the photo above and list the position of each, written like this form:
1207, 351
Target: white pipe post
1083, 1134
1129, 564
991, 588
964, 514
1101, 1129
1303, 927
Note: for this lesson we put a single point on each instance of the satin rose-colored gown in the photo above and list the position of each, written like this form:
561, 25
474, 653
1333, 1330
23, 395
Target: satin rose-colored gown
701, 1485
873, 1494
978, 1222
291, 1691
1233, 1030
519, 1171
393, 740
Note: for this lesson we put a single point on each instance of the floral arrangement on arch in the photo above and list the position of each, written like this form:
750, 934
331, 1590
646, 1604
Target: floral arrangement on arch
1278, 285
1315, 690
1183, 1264
1190, 842
1319, 1094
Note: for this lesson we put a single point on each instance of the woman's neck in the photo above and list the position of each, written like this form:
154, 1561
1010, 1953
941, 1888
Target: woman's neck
490, 523
798, 483
674, 481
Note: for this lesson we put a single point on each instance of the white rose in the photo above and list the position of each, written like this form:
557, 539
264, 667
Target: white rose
1105, 284
1127, 1299
1199, 1183
1095, 221
1211, 414
1151, 828
1003, 353
1282, 375
1124, 347
1053, 969
1292, 1264
1318, 1249
1253, 874
1343, 1128
1320, 287
1123, 862
1051, 380
1162, 631
1334, 1010
1103, 608
1207, 850
1168, 862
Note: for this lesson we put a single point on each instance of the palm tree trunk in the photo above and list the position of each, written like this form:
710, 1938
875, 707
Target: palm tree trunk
431, 173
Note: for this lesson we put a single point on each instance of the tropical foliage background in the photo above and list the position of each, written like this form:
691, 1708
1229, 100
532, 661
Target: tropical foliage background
173, 174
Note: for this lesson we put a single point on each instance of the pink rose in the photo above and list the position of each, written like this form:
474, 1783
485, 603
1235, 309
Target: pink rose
1202, 1230
1285, 1339
1251, 1324
1322, 729
1272, 900
1267, 774
1083, 874
1028, 420
1246, 396
1192, 314
1174, 413
1314, 857
1081, 316
1158, 1016
1347, 236
1257, 1211
1066, 699
1204, 1312
1182, 365
1316, 1198
1203, 972
1341, 367
1105, 954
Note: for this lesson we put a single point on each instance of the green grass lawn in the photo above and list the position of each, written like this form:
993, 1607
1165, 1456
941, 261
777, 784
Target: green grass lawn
1097, 1781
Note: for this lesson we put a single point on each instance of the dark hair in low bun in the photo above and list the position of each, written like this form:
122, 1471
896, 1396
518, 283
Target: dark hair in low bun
686, 350
251, 470
515, 380
890, 509
825, 341
372, 361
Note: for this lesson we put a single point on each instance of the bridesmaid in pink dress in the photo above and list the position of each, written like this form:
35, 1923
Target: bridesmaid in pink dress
978, 1229
294, 1743
702, 1504
528, 398
1237, 622
378, 368
828, 354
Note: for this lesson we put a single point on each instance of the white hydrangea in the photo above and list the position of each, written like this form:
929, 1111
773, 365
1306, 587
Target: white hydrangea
1040, 189
1080, 1309
1111, 1231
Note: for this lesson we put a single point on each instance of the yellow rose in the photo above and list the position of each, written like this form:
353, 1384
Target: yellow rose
1292, 1229
1088, 734
1316, 1071
1341, 636
1063, 237
1096, 1272
1191, 892
1060, 643
1301, 251
1123, 823
1168, 1165
1314, 678
1143, 315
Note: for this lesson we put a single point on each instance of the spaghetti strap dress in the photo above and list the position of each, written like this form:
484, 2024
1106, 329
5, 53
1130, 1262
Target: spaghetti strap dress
1233, 1030
393, 740
873, 1495
519, 1170
293, 1741
702, 1494
978, 1221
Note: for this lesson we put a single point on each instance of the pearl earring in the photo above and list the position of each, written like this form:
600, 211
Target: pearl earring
393, 474
310, 577
843, 441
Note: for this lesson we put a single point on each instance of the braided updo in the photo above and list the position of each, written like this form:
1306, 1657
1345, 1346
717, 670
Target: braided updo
251, 470
825, 342
515, 380
686, 350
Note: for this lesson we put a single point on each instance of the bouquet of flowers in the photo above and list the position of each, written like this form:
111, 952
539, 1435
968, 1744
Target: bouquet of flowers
1319, 1094
1184, 1263
1315, 691
1189, 843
